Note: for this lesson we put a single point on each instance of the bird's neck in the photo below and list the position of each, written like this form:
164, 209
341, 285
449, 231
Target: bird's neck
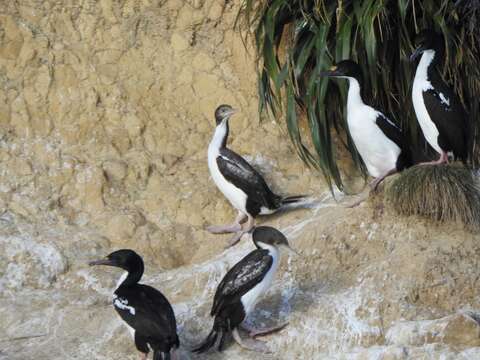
354, 98
131, 277
427, 63
220, 136
273, 250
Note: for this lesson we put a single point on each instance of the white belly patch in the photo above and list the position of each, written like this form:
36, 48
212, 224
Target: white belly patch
234, 195
421, 84
428, 127
378, 152
251, 298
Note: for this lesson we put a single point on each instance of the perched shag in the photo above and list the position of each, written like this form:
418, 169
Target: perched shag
241, 288
378, 140
241, 184
439, 111
143, 308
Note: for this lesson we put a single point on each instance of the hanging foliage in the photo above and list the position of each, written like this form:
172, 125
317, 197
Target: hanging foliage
297, 39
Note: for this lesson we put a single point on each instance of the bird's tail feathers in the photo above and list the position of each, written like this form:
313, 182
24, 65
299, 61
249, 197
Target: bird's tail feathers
217, 335
210, 341
296, 201
160, 355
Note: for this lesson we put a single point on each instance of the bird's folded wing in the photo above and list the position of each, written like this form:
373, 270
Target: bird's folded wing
245, 275
241, 174
391, 130
448, 116
153, 315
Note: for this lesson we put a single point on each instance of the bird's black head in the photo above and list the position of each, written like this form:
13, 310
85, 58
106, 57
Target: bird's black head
223, 112
125, 259
427, 40
266, 235
345, 69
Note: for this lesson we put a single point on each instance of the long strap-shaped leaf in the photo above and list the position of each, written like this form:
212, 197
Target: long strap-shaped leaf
378, 34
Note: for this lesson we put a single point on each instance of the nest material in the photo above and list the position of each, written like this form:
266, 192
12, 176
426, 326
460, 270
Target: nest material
439, 192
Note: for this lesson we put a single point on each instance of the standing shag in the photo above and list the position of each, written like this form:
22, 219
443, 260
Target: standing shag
439, 111
241, 184
241, 288
380, 142
143, 308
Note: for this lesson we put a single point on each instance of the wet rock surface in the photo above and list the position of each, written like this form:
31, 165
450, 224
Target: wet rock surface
106, 110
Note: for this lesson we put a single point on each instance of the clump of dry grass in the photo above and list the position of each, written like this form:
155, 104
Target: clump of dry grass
442, 193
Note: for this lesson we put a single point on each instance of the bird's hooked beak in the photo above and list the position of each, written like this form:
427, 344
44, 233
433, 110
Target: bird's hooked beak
332, 72
104, 261
231, 112
226, 116
418, 51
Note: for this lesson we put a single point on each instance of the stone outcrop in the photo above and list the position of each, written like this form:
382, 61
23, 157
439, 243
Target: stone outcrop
106, 110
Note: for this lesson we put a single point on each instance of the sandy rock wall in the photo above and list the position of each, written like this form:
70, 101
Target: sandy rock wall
106, 110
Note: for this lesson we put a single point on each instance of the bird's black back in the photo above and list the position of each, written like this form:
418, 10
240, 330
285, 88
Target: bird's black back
450, 119
395, 134
241, 278
241, 174
153, 319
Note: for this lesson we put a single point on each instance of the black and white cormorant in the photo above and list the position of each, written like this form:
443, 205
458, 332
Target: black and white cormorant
241, 184
439, 111
380, 142
241, 288
142, 307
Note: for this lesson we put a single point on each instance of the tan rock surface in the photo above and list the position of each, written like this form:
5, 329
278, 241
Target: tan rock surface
106, 110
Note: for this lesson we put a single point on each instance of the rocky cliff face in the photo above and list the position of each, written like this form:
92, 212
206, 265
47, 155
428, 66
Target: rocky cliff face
106, 109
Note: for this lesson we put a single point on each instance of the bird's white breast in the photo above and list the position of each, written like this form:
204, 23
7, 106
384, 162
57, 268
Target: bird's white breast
378, 152
251, 297
421, 83
237, 197
121, 279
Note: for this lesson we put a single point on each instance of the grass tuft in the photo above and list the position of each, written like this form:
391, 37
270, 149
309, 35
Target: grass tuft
442, 193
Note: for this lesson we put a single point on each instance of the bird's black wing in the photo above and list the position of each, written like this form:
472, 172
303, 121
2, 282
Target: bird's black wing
147, 311
391, 130
247, 273
241, 174
448, 115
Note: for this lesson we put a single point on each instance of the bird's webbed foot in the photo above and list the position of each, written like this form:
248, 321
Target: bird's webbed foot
250, 343
443, 159
224, 229
235, 239
245, 228
234, 227
252, 332
374, 184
